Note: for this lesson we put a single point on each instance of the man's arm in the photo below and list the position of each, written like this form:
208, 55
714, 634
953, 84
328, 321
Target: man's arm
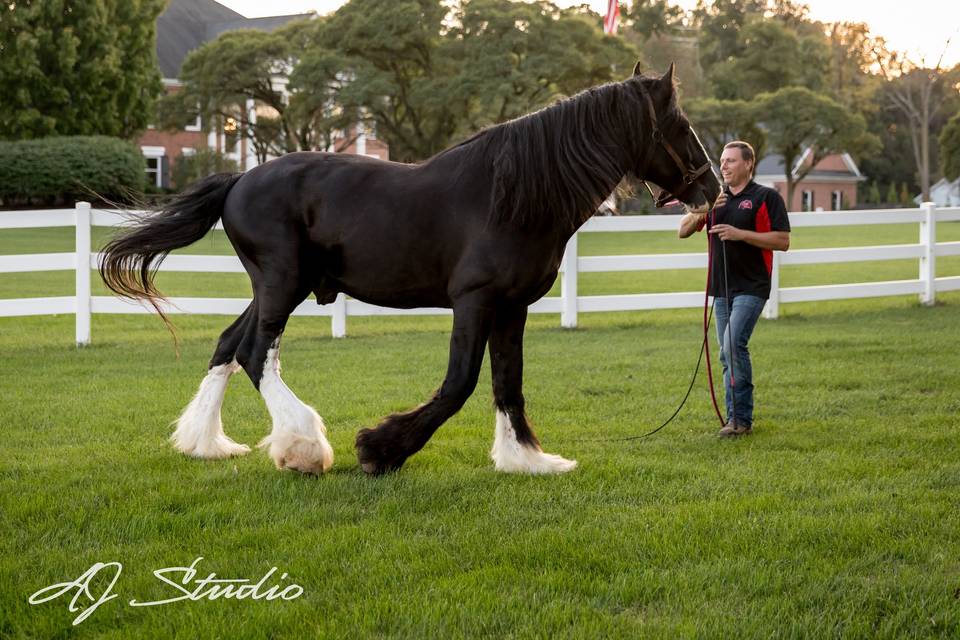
691, 223
776, 240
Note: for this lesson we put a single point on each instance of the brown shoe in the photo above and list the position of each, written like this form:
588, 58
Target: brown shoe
732, 429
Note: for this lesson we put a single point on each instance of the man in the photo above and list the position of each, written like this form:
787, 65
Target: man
747, 224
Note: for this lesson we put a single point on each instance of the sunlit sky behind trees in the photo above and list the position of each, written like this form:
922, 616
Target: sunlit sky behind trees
920, 28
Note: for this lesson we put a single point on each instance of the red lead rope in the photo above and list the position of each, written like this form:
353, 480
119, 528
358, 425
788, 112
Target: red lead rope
706, 320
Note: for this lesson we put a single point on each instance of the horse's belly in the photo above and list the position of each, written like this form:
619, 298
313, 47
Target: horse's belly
401, 299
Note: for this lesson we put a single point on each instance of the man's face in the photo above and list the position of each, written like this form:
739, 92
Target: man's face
733, 168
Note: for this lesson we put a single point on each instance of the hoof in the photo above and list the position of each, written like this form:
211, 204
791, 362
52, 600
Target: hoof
374, 456
535, 462
302, 453
512, 456
216, 448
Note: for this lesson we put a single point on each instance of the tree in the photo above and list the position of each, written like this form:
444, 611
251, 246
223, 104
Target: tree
718, 122
950, 148
720, 23
797, 120
771, 56
850, 81
77, 68
918, 92
651, 18
519, 57
223, 75
426, 76
905, 199
892, 197
423, 72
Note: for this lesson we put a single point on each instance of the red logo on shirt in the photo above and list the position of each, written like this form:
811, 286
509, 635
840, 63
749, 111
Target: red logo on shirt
746, 204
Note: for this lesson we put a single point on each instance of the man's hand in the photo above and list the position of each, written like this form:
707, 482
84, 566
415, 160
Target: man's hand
721, 200
727, 232
691, 223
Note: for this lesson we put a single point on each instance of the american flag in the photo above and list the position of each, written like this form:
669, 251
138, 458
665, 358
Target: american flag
612, 17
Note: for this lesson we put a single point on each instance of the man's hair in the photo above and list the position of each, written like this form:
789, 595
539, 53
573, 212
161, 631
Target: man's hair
746, 152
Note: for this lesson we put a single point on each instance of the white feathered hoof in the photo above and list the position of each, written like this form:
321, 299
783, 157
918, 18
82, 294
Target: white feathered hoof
306, 454
199, 432
511, 456
532, 461
216, 448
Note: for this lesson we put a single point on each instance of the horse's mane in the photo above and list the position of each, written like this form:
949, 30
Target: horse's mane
561, 162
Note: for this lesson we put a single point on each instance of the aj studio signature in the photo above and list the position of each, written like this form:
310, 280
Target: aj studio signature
209, 588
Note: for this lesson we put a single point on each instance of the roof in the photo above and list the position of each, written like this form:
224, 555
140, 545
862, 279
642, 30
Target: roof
770, 164
944, 193
187, 24
772, 167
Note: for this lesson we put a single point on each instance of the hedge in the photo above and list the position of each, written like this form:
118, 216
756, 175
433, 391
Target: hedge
59, 170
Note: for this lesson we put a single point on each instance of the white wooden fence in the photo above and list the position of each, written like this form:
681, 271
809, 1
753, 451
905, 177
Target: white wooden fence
568, 305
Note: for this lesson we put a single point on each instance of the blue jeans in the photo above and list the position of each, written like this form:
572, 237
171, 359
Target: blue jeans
737, 328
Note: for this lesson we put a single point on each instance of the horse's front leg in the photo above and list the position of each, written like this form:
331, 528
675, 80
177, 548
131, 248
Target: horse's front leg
515, 447
399, 436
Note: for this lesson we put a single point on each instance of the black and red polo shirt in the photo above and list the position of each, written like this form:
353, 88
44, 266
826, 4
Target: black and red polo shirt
756, 208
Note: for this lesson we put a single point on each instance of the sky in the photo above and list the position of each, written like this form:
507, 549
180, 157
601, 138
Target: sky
919, 27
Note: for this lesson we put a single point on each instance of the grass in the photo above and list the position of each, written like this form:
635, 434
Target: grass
838, 517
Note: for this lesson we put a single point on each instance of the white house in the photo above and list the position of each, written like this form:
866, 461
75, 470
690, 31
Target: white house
943, 193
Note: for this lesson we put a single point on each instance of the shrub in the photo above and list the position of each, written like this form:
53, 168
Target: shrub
892, 197
906, 200
201, 164
61, 169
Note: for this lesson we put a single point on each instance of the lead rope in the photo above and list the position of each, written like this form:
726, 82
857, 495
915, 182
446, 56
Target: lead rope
706, 320
704, 348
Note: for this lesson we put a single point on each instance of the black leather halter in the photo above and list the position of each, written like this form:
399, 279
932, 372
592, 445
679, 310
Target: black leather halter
689, 175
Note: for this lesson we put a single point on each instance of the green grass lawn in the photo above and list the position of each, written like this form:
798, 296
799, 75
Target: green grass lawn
840, 516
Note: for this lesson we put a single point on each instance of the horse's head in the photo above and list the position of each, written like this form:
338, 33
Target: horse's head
673, 158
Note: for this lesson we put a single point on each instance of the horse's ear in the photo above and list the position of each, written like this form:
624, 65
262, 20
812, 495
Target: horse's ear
636, 68
667, 78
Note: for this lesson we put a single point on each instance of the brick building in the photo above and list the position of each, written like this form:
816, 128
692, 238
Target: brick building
830, 186
184, 26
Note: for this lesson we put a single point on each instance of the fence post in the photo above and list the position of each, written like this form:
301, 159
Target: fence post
568, 285
928, 259
772, 309
338, 320
82, 253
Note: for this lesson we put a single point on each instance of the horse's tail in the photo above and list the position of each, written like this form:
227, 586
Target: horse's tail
130, 260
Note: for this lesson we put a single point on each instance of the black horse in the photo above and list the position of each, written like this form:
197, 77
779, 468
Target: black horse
480, 228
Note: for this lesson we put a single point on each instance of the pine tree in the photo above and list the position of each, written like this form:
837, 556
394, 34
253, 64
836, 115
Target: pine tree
905, 198
892, 194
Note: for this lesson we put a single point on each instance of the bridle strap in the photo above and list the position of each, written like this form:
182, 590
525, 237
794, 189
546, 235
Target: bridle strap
689, 175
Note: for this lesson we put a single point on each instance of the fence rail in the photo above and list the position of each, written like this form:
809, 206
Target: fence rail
569, 304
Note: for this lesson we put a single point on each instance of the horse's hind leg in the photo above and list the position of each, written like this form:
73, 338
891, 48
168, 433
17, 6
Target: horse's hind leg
515, 447
401, 435
298, 439
199, 431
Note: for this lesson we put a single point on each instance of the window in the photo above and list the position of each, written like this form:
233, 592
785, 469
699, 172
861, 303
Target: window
837, 200
807, 203
153, 171
196, 125
154, 158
